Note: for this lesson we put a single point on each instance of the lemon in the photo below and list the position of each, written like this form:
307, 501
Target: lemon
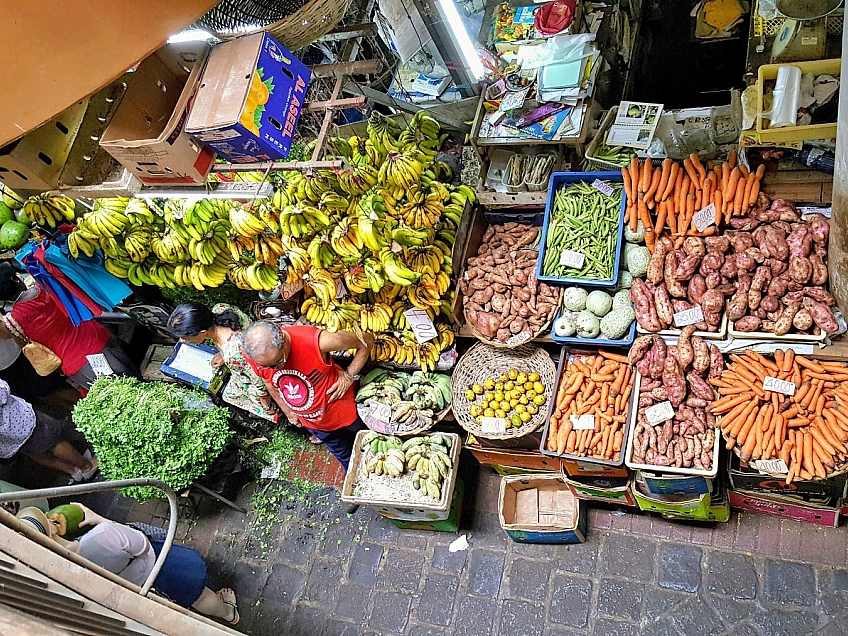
489, 413
489, 384
500, 413
512, 374
538, 387
503, 377
539, 400
531, 394
532, 409
533, 377
488, 396
476, 410
522, 378
470, 395
494, 404
499, 395
509, 386
524, 400
525, 417
479, 420
520, 408
528, 386
478, 389
513, 403
515, 420
504, 405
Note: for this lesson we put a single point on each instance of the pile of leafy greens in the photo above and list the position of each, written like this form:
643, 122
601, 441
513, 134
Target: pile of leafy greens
151, 429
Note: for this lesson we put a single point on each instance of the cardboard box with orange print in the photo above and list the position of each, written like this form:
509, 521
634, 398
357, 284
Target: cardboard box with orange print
249, 99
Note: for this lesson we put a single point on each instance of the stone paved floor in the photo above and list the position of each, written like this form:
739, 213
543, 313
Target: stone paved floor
320, 571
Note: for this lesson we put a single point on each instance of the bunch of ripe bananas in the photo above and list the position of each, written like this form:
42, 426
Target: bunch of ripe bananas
49, 209
337, 316
428, 457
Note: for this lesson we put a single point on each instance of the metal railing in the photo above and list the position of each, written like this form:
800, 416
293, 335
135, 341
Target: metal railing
84, 489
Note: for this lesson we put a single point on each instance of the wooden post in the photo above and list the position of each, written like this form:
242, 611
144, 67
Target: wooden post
837, 254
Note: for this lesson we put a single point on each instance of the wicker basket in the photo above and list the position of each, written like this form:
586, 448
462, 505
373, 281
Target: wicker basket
520, 338
363, 410
482, 362
234, 18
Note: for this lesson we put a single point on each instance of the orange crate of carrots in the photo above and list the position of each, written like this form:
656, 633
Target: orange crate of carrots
804, 423
592, 386
667, 198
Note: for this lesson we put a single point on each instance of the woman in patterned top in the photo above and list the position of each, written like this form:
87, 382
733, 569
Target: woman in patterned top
223, 324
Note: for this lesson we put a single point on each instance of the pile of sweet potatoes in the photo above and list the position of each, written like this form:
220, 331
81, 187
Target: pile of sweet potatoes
502, 297
677, 373
778, 264
678, 280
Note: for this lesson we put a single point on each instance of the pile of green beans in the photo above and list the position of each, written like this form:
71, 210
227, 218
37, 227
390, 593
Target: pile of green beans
584, 220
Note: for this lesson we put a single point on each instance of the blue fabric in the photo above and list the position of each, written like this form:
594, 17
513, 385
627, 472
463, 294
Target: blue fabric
76, 309
183, 576
89, 273
340, 441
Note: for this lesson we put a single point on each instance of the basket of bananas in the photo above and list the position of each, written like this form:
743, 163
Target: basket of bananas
402, 403
388, 473
502, 393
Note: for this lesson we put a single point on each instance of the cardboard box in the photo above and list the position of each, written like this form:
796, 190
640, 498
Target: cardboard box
518, 459
451, 524
249, 100
147, 133
528, 442
676, 506
503, 471
541, 509
578, 468
622, 495
35, 162
743, 477
787, 507
653, 484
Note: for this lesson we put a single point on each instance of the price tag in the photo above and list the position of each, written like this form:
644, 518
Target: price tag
521, 336
659, 412
571, 259
771, 466
779, 386
380, 411
585, 422
378, 417
99, 365
602, 187
689, 316
421, 325
705, 218
494, 425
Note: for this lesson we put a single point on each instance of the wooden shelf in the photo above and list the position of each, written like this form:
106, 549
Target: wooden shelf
505, 200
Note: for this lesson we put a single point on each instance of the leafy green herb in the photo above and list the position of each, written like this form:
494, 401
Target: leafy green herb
151, 429
226, 293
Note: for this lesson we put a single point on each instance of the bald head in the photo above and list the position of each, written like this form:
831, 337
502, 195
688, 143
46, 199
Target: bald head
263, 341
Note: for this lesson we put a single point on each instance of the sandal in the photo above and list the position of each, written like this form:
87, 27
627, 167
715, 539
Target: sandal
228, 597
314, 439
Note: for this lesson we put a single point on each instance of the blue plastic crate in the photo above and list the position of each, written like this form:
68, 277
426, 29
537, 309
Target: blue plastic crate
593, 342
559, 179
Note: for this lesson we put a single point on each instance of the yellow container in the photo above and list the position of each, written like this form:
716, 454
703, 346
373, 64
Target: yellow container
794, 133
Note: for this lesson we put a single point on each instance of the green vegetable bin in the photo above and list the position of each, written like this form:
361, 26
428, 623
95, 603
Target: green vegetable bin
563, 179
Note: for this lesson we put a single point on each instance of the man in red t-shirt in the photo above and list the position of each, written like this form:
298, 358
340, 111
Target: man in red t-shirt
311, 389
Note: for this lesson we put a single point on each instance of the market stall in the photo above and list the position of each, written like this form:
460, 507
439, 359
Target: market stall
632, 298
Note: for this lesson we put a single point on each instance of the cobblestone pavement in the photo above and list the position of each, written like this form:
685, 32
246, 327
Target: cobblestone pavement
319, 571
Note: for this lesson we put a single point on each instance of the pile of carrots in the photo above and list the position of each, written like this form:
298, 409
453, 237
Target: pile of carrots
808, 430
675, 193
600, 385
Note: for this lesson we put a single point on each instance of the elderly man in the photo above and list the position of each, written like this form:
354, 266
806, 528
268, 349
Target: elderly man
309, 387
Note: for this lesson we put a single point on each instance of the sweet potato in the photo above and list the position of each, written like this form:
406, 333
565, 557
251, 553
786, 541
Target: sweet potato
694, 245
673, 286
696, 288
819, 273
638, 349
699, 387
685, 352
800, 269
803, 320
822, 315
800, 241
716, 362
646, 311
663, 305
701, 361
747, 323
674, 382
784, 322
656, 263
820, 294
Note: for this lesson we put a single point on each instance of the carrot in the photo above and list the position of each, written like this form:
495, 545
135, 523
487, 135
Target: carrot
645, 176
749, 185
778, 358
731, 159
729, 191
699, 167
625, 177
652, 188
672, 180
725, 176
761, 170
745, 172
662, 214
788, 359
644, 215
665, 173
739, 196
690, 171
808, 452
718, 200
809, 364
830, 420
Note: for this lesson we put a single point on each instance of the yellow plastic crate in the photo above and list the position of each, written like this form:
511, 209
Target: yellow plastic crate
794, 133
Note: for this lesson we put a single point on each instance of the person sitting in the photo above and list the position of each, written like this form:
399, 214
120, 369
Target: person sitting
36, 317
129, 553
223, 325
40, 437
311, 389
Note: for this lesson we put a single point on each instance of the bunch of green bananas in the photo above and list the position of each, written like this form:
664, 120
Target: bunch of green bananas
428, 457
256, 276
374, 443
387, 463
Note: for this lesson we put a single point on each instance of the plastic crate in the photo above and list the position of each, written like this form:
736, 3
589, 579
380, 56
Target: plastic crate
558, 180
592, 342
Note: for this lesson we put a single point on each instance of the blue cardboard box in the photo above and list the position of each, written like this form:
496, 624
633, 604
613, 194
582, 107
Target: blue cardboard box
249, 100
541, 509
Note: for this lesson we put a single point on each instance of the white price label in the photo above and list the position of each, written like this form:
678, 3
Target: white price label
571, 259
585, 422
521, 336
603, 187
380, 411
659, 412
771, 466
99, 364
421, 325
493, 425
689, 316
705, 218
779, 386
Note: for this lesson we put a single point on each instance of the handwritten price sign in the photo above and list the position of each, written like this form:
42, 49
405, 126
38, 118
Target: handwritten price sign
585, 422
689, 316
571, 259
421, 325
705, 218
659, 412
779, 386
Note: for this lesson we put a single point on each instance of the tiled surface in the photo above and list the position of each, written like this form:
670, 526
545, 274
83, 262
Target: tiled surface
320, 571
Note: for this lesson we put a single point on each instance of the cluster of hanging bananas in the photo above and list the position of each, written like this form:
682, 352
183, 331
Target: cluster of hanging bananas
375, 318
428, 291
138, 242
358, 180
268, 248
428, 457
402, 169
256, 276
382, 133
321, 284
337, 316
299, 221
245, 222
209, 244
49, 209
303, 187
295, 261
319, 250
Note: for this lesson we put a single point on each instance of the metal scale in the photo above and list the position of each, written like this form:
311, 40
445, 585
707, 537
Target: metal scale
803, 35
